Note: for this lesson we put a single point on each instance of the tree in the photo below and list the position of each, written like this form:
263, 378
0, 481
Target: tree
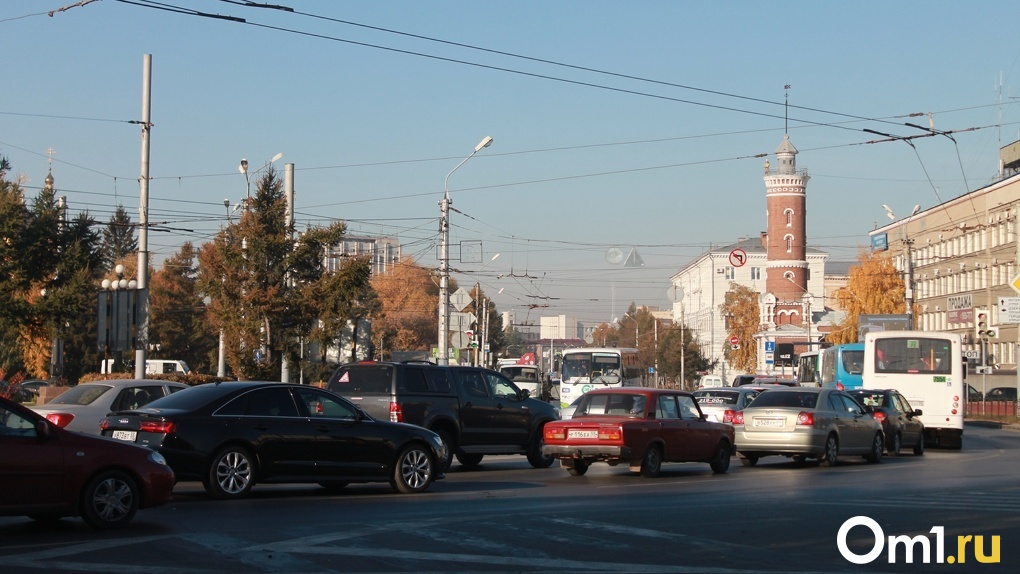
178, 323
674, 341
740, 307
267, 289
40, 251
408, 319
118, 238
874, 287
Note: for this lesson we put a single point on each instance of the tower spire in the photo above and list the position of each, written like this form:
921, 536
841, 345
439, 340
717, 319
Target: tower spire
786, 109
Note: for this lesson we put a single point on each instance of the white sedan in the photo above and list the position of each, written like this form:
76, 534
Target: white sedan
80, 408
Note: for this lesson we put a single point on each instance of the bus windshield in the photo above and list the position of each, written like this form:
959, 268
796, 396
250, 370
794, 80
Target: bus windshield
913, 355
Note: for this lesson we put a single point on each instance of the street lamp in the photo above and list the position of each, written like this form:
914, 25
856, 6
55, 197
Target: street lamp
243, 168
443, 353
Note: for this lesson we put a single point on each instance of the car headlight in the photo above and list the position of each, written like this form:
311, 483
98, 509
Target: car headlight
157, 458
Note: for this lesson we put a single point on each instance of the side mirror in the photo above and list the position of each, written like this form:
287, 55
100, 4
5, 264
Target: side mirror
43, 429
917, 412
525, 393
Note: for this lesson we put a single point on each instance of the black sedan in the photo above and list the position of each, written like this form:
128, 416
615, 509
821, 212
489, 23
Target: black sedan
233, 435
900, 422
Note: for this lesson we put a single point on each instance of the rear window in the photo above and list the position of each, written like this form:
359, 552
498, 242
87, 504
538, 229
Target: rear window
717, 397
803, 400
362, 379
80, 395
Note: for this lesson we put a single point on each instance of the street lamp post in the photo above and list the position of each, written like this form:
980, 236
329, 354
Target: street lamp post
443, 352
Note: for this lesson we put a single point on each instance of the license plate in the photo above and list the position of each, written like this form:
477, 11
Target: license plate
128, 435
582, 434
769, 422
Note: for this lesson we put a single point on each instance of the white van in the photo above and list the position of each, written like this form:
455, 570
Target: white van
154, 366
707, 381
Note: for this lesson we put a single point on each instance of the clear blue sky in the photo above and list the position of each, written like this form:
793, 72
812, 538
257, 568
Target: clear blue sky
630, 124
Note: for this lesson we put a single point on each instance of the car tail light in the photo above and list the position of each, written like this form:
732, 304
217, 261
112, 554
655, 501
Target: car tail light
60, 419
805, 418
840, 387
554, 433
156, 427
610, 434
879, 416
738, 418
396, 413
727, 416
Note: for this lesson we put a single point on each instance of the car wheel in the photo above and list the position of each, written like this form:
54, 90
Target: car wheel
877, 448
413, 471
652, 463
535, 456
897, 444
109, 500
576, 467
721, 463
748, 459
448, 441
469, 460
231, 474
831, 452
919, 447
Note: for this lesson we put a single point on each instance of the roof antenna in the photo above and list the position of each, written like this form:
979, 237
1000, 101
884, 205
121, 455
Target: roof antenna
786, 109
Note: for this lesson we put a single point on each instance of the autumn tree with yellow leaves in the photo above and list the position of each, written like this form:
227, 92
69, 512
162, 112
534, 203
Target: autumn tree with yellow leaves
875, 287
740, 307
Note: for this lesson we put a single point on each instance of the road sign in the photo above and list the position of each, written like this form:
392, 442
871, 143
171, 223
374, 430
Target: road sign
1015, 282
770, 346
738, 257
971, 354
460, 299
734, 340
1009, 309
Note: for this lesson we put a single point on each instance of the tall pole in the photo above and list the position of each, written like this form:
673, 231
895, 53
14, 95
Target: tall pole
141, 294
909, 291
288, 192
443, 352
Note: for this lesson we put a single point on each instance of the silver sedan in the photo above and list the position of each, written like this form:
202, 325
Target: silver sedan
80, 408
805, 422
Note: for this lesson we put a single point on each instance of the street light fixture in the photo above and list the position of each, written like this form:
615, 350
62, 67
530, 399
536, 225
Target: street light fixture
443, 352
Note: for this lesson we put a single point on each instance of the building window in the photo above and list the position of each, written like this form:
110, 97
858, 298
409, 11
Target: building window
789, 243
730, 273
789, 217
755, 273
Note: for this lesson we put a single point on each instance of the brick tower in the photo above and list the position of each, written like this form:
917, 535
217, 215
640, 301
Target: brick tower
785, 305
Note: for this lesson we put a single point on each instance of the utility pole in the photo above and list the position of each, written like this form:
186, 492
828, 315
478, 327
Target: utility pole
142, 292
288, 192
909, 291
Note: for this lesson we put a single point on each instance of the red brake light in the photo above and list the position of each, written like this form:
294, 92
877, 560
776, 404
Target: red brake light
879, 416
60, 419
805, 418
738, 418
840, 387
554, 433
727, 416
396, 413
610, 434
157, 427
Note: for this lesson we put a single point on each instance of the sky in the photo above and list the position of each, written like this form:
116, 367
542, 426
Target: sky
640, 126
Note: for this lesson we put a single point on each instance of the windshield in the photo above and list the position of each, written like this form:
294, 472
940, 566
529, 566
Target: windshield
80, 395
797, 399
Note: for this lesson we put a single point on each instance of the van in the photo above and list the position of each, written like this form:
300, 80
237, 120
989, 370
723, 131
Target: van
153, 366
710, 381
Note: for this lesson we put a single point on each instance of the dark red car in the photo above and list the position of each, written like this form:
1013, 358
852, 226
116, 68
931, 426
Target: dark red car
639, 427
47, 472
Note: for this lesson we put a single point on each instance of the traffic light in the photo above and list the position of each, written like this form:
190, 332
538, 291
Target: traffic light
981, 328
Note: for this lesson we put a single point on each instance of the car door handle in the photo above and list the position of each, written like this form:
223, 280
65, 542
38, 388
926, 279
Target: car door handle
324, 428
261, 427
499, 406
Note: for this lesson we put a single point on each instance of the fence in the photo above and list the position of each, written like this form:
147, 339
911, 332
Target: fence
993, 408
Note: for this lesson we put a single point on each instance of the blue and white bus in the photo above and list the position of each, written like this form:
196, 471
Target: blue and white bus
841, 366
928, 369
584, 369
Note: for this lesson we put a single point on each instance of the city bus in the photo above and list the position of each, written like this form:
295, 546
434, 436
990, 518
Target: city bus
582, 370
928, 369
807, 369
841, 366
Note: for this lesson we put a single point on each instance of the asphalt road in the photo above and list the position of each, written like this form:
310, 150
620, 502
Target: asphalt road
507, 517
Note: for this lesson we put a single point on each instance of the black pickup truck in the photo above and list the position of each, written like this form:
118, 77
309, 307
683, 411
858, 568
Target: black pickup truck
477, 411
